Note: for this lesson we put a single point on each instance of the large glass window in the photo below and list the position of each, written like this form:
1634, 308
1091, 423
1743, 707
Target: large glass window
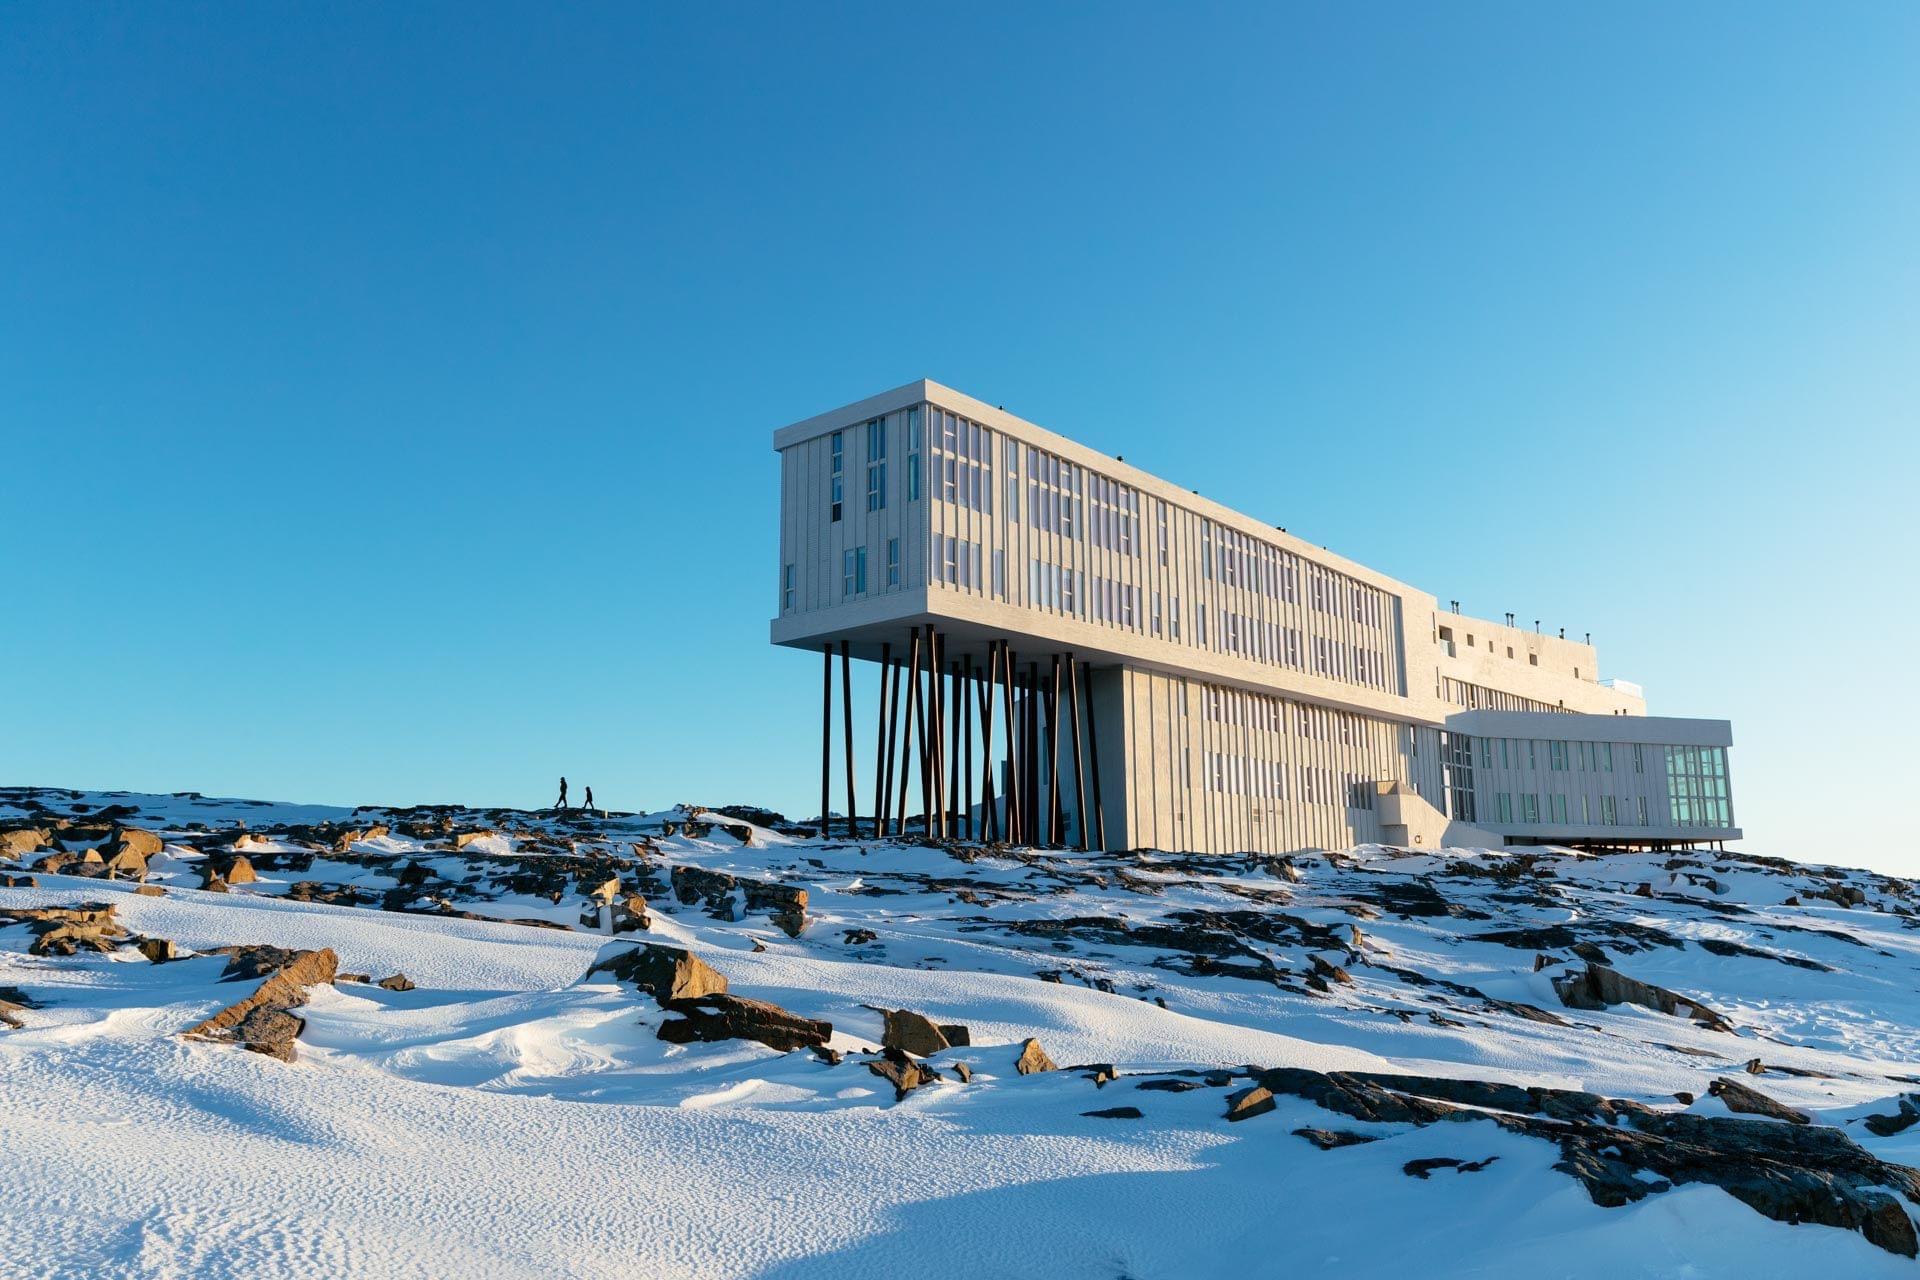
893, 562
786, 589
853, 571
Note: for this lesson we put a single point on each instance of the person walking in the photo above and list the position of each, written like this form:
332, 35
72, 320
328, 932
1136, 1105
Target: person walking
589, 805
562, 802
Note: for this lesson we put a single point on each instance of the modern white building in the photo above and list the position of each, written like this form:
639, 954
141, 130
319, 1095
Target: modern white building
1178, 675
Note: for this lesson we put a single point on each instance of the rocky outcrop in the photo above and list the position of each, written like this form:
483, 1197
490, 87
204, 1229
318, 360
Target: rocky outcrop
264, 1022
1623, 1151
1747, 1101
668, 974
1033, 1059
902, 1072
1597, 987
398, 982
66, 931
920, 1035
21, 841
716, 891
727, 1017
236, 870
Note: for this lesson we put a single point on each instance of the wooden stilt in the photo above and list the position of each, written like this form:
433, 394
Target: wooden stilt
989, 811
926, 753
1054, 834
1093, 759
1034, 833
893, 740
846, 723
826, 744
936, 772
907, 728
968, 710
956, 707
1013, 744
1079, 771
880, 745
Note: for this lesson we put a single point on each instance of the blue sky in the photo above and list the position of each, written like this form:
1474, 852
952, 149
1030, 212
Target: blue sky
386, 391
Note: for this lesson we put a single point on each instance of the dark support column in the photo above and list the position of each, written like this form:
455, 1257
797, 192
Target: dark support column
1014, 757
826, 742
846, 723
1093, 758
1079, 771
936, 749
906, 728
926, 711
880, 745
1054, 833
967, 710
956, 709
893, 734
988, 810
1034, 834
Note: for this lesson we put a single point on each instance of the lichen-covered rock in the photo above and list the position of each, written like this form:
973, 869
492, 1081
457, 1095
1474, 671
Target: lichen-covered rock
1597, 987
264, 1022
913, 1032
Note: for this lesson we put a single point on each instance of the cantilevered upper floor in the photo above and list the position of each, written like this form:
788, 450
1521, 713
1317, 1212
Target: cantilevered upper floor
923, 505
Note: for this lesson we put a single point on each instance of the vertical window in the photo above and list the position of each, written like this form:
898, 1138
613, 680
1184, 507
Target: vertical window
1000, 574
839, 477
877, 464
893, 562
913, 454
786, 589
1174, 618
1643, 811
860, 570
1156, 613
846, 572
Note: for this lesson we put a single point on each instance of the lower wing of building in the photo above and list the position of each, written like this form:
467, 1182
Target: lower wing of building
1071, 650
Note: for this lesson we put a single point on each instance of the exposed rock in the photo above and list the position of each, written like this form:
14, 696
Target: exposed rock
1598, 987
902, 1072
727, 1017
1169, 1085
964, 1071
238, 870
158, 950
345, 840
398, 982
1624, 1151
1115, 1113
465, 838
250, 840
860, 937
264, 1022
13, 1001
1244, 1104
1033, 1059
20, 841
785, 904
668, 974
214, 884
19, 882
151, 891
66, 931
914, 1032
1425, 1168
1899, 1121
1748, 1101
141, 843
258, 960
1329, 1139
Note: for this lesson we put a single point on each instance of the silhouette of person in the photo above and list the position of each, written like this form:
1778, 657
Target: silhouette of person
562, 802
589, 803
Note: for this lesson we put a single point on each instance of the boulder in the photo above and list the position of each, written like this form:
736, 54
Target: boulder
264, 1022
238, 870
134, 840
66, 931
158, 950
1033, 1059
902, 1072
126, 864
913, 1032
465, 838
1749, 1101
214, 884
668, 974
1244, 1104
727, 1017
1115, 1113
21, 841
151, 891
1598, 986
398, 982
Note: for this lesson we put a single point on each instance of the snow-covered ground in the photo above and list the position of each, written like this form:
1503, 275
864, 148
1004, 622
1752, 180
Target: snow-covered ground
512, 1115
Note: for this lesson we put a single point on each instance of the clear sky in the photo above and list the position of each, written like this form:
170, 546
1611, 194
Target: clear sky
386, 390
